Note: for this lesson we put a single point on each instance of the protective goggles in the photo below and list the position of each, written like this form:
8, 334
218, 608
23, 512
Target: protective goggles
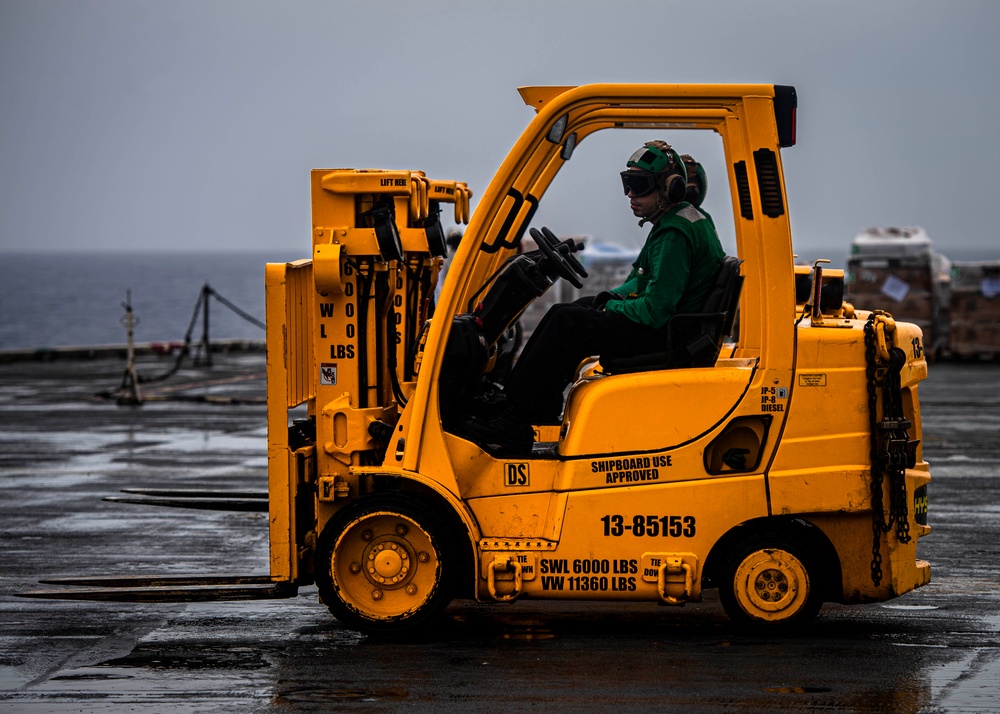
638, 183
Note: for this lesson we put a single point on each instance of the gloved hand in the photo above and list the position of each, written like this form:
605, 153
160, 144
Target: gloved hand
603, 298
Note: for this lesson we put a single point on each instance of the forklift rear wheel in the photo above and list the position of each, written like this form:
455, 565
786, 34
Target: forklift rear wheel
771, 584
384, 564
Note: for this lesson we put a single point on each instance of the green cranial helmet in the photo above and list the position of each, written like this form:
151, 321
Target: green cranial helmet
697, 180
658, 159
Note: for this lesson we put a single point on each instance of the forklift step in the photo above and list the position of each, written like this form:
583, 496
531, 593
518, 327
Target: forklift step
166, 588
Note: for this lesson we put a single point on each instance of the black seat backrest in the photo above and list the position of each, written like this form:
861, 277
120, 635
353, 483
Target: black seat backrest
728, 287
693, 339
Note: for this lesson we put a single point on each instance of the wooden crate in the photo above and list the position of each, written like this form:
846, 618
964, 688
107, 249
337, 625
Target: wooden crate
974, 309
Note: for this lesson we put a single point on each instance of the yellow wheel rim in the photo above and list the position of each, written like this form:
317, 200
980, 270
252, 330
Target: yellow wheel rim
772, 585
385, 565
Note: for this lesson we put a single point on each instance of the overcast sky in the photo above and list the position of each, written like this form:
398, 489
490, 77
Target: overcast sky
192, 125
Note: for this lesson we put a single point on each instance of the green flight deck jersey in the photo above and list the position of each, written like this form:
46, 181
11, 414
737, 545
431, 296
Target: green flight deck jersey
675, 270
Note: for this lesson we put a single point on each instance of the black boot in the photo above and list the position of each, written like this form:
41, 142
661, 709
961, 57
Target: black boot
505, 433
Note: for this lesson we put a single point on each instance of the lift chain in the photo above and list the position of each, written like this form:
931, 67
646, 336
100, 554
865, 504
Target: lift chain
891, 450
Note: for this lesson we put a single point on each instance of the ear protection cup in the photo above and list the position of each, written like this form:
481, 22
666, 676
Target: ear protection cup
674, 188
675, 180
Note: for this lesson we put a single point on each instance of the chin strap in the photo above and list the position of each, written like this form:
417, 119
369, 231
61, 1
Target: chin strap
662, 205
660, 210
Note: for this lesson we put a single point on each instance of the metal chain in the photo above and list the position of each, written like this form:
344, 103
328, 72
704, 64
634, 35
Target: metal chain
878, 515
889, 447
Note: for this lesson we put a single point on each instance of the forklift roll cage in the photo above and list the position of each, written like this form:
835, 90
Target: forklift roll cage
507, 206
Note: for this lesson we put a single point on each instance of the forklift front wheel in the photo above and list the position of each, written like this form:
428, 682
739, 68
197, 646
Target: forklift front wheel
770, 585
384, 564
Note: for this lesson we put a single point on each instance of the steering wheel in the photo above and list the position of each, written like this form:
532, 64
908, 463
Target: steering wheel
566, 249
550, 249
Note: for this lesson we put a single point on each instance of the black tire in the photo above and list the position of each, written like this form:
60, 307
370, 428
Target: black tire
385, 564
771, 584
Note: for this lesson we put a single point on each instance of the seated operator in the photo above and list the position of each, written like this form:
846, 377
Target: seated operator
697, 187
674, 273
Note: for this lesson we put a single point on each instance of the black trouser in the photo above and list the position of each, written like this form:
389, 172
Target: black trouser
569, 333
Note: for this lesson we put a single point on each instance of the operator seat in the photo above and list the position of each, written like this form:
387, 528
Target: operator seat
693, 339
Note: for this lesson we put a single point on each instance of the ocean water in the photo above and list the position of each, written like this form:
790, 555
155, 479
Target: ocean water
67, 300
71, 300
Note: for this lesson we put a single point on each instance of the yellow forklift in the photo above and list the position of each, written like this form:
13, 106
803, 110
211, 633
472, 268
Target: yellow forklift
782, 466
